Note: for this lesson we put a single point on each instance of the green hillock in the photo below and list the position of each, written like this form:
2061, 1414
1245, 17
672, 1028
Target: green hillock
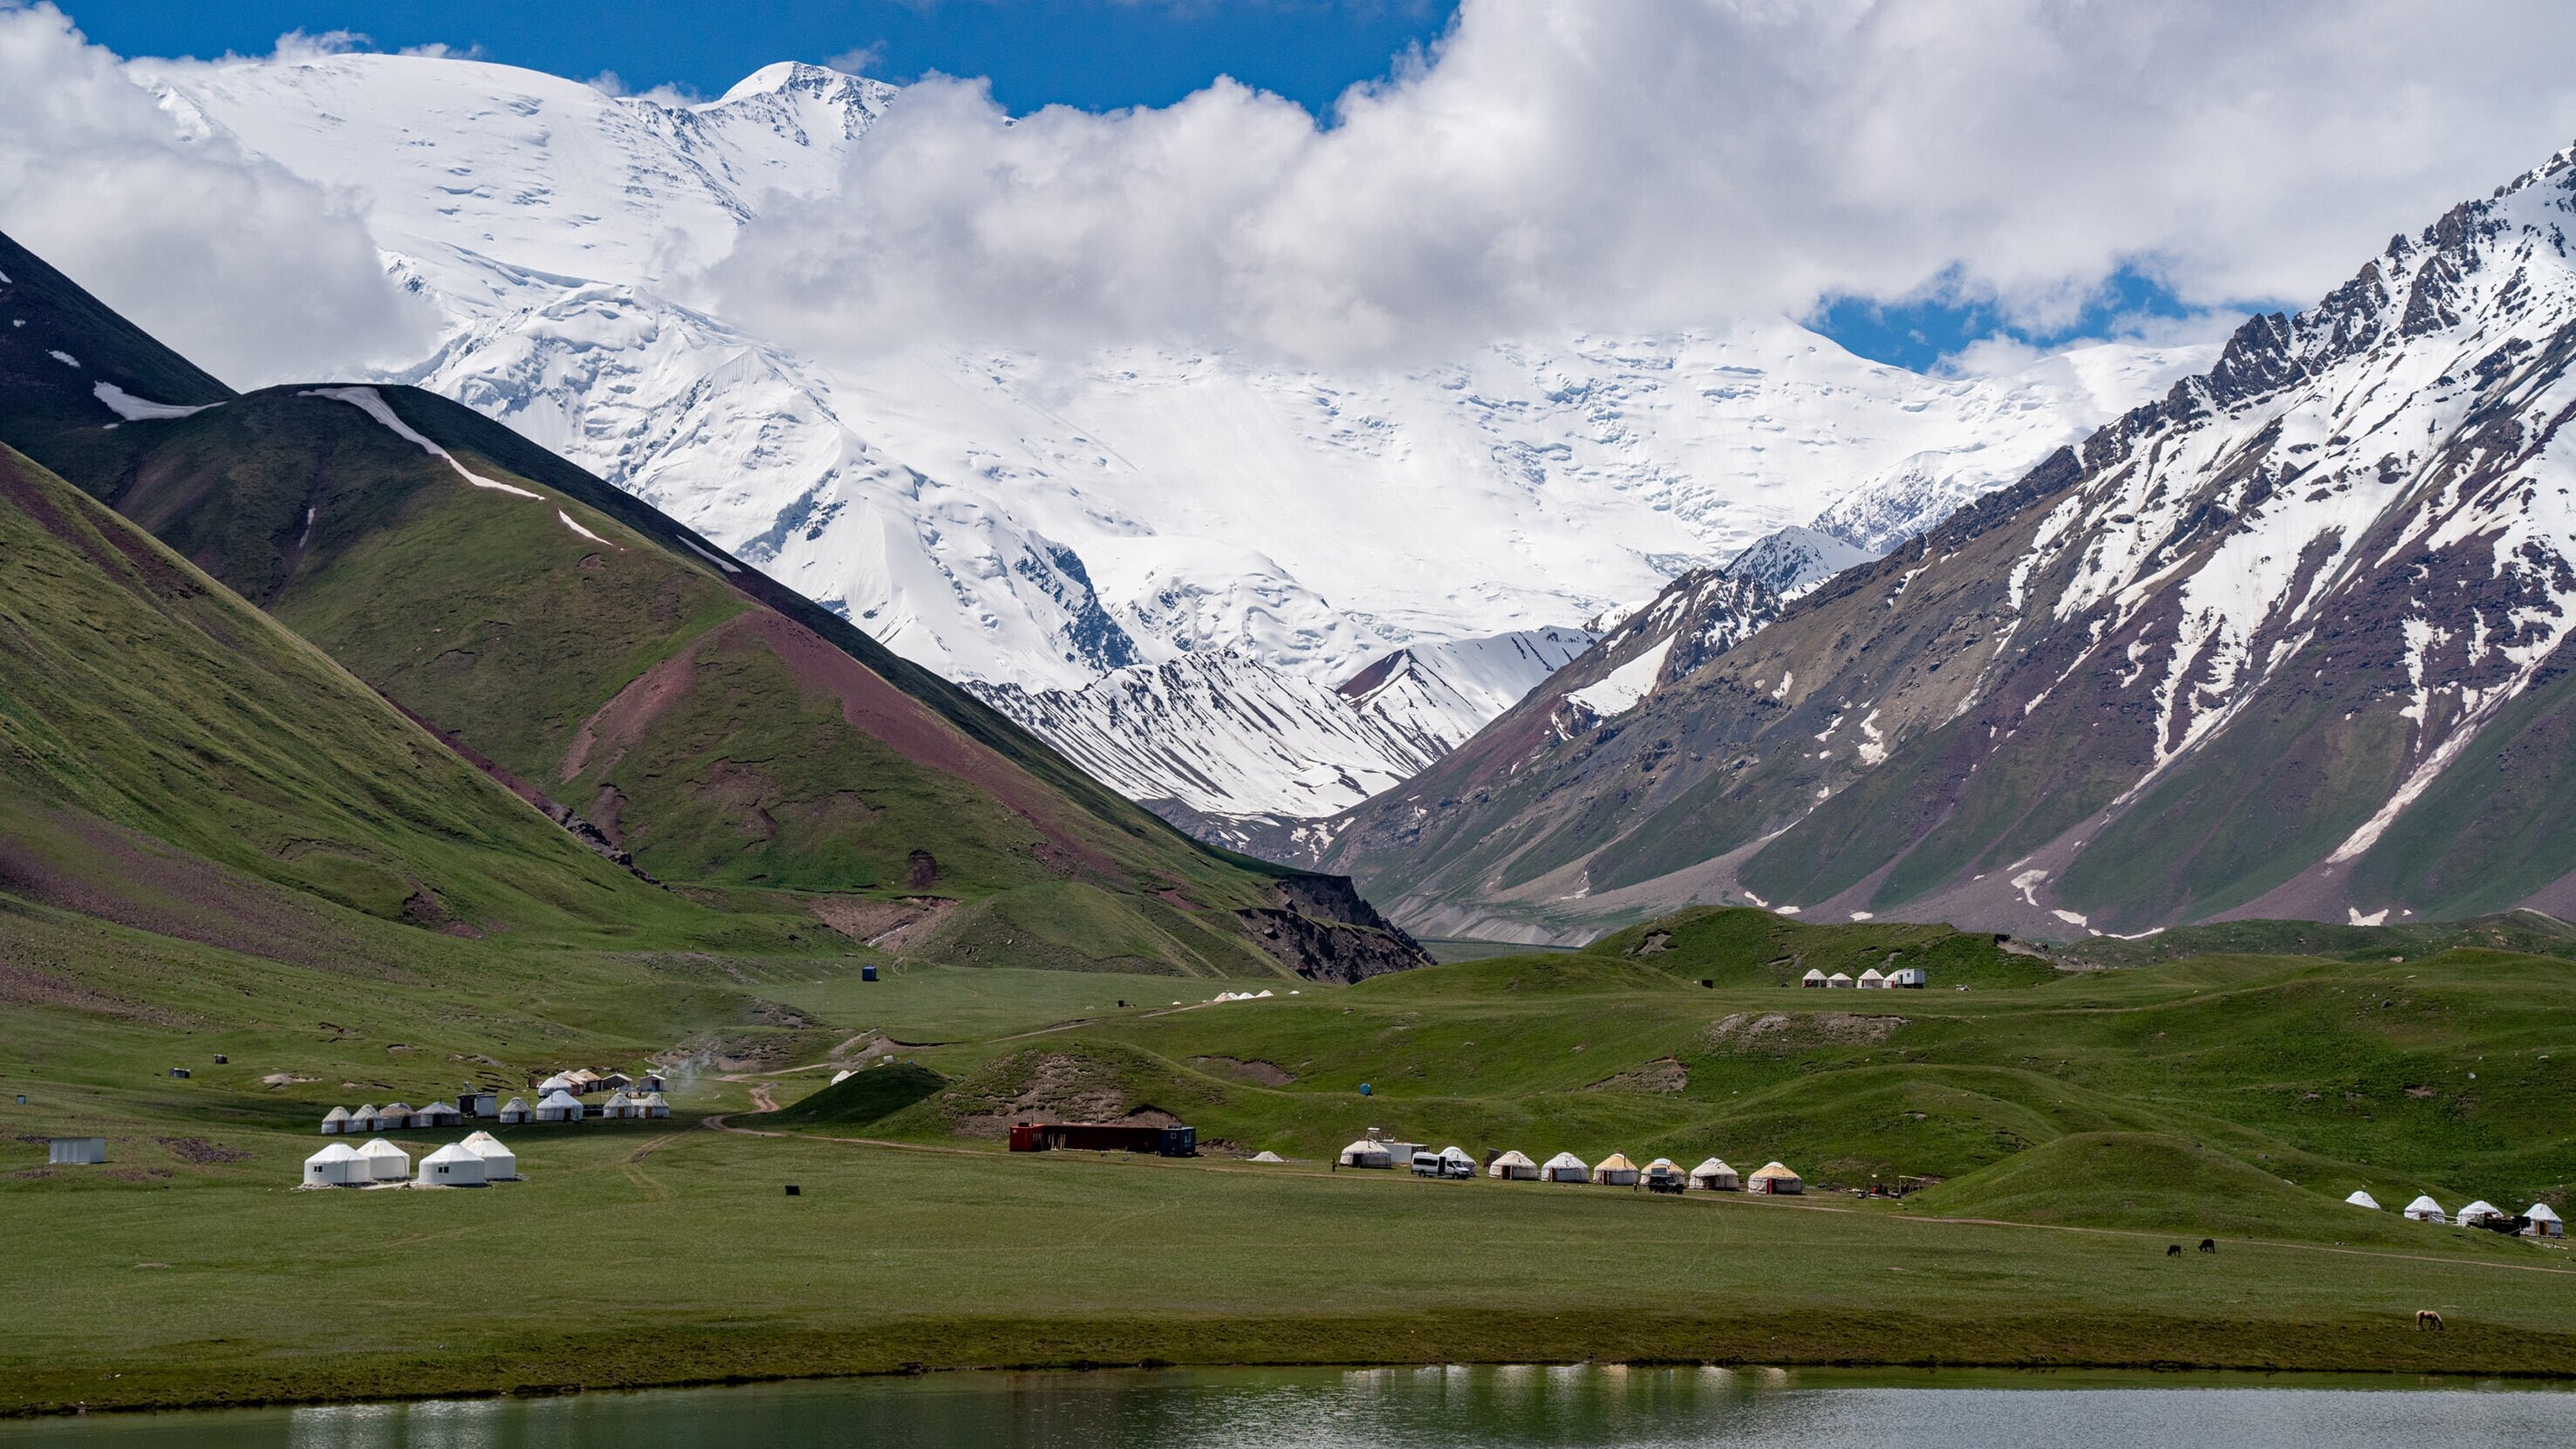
2156, 1182
861, 1098
1742, 946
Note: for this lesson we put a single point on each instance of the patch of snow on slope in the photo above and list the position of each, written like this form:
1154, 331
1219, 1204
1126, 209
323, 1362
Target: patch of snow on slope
137, 410
1619, 690
371, 402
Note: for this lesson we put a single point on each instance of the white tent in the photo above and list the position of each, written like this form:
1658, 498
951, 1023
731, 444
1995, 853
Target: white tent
618, 1105
2544, 1223
454, 1165
1615, 1170
652, 1106
1715, 1176
1268, 1157
338, 1165
2477, 1212
1837, 982
559, 1107
500, 1164
516, 1110
1873, 980
437, 1114
2425, 1210
1772, 1177
395, 1117
1367, 1152
2363, 1199
1813, 977
1450, 1156
556, 1083
335, 1121
1565, 1167
1513, 1167
365, 1119
385, 1161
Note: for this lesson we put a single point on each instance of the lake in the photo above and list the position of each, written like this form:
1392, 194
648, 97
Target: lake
1425, 1408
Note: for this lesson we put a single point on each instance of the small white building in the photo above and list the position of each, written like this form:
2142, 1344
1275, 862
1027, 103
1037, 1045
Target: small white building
1873, 980
437, 1114
1565, 1167
559, 1107
2425, 1210
1908, 978
500, 1164
2362, 1199
653, 1106
653, 1082
2476, 1213
385, 1161
335, 1122
1838, 982
364, 1119
1513, 1167
338, 1165
515, 1111
1813, 978
2544, 1223
1367, 1152
1615, 1170
1715, 1176
454, 1165
394, 1118
75, 1151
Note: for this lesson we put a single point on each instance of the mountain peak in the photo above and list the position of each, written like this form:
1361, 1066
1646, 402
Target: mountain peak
791, 76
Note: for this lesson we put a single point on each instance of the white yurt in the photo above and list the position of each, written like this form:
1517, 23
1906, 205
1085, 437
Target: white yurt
1615, 1170
2544, 1223
1565, 1167
338, 1165
2425, 1210
385, 1161
437, 1114
395, 1117
2363, 1200
652, 1106
1367, 1152
335, 1121
1453, 1159
364, 1119
1268, 1157
618, 1106
556, 1083
1873, 980
454, 1165
1513, 1167
516, 1110
1813, 977
559, 1107
500, 1164
1715, 1176
1774, 1178
2477, 1212
1837, 982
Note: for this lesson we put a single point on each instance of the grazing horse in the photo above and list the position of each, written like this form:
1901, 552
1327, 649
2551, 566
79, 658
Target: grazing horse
2209, 1245
2427, 1318
2174, 1251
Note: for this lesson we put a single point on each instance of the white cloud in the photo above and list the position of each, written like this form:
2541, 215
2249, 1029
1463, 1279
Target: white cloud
252, 273
1654, 164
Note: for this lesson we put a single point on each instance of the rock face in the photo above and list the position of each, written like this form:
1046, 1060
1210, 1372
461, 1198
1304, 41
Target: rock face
2289, 641
1324, 931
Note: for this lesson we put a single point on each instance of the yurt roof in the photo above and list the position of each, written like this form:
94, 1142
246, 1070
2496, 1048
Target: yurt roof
1617, 1162
1514, 1158
454, 1152
2539, 1213
1771, 1170
1813, 974
1456, 1153
2480, 1208
1568, 1159
1663, 1162
1366, 1147
1873, 974
1839, 976
2423, 1205
368, 1110
379, 1147
1712, 1165
1266, 1156
654, 1099
515, 1104
618, 1099
480, 1138
393, 1107
336, 1114
336, 1152
560, 1099
2362, 1199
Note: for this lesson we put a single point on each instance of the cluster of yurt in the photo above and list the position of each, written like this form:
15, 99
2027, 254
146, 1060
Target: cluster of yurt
1904, 977
479, 1159
395, 1117
2538, 1220
1661, 1175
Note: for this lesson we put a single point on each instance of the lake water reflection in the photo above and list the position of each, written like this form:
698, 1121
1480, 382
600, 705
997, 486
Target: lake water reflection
1429, 1408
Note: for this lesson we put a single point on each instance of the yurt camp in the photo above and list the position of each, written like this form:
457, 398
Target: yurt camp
2425, 1210
1367, 1152
559, 1107
516, 1111
1513, 1167
500, 1164
1565, 1167
2362, 1199
2544, 1223
335, 1121
454, 1165
1615, 1170
1715, 1176
338, 1165
385, 1161
1774, 1179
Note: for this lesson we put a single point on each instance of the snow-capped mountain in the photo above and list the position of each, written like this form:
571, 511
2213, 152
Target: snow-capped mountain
1060, 523
1795, 559
2291, 641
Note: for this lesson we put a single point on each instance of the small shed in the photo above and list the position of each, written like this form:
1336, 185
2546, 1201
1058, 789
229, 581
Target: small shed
1907, 978
1813, 977
559, 1107
2477, 1212
75, 1151
1715, 1176
364, 1119
1367, 1152
470, 1103
2362, 1199
335, 1122
515, 1111
1565, 1167
1838, 982
618, 1106
1774, 1179
653, 1082
2544, 1223
1615, 1170
437, 1114
454, 1165
2425, 1210
616, 1082
500, 1164
385, 1161
395, 1117
338, 1165
1513, 1167
1873, 979
653, 1106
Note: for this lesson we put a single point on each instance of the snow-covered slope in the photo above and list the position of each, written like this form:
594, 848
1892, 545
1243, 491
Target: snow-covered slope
1054, 523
